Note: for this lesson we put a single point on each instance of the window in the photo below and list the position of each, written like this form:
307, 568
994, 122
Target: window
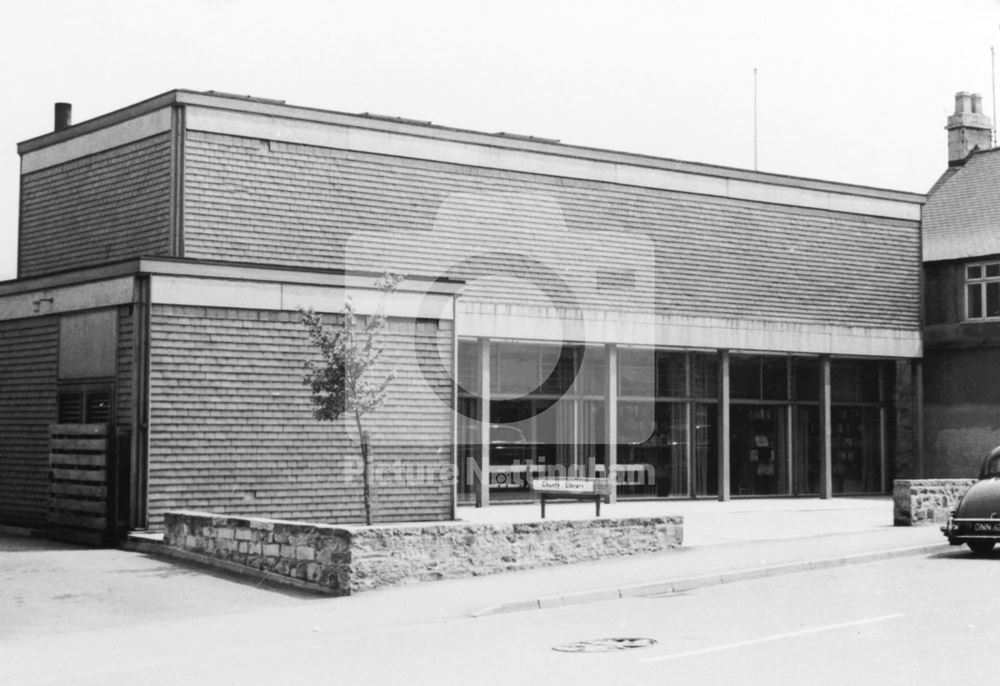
645, 373
982, 291
758, 377
83, 406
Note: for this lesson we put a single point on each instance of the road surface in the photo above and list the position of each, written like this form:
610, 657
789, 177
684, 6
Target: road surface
910, 620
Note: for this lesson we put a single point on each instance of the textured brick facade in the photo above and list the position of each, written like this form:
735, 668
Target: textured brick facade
29, 382
232, 430
108, 206
124, 369
28, 371
257, 201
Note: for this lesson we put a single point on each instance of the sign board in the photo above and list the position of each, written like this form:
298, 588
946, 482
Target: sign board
575, 489
582, 486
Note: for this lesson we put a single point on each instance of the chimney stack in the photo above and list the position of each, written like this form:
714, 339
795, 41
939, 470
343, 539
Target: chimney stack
64, 116
968, 129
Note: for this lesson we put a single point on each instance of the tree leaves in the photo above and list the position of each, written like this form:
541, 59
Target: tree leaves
341, 379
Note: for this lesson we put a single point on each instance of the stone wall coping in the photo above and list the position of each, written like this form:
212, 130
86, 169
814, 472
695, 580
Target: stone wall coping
217, 519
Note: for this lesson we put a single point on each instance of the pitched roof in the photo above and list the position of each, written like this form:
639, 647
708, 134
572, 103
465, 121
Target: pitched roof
962, 216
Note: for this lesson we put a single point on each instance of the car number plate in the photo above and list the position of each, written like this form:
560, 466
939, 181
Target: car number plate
984, 527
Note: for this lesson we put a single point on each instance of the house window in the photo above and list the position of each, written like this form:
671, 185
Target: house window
982, 290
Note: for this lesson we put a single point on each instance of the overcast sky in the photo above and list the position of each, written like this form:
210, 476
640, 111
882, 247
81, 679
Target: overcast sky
854, 91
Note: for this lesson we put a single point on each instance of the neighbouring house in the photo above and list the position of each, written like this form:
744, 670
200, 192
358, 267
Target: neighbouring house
962, 293
690, 330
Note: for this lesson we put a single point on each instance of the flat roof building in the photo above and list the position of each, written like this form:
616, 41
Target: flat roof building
690, 330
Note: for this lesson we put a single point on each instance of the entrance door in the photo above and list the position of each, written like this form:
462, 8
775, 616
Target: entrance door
757, 449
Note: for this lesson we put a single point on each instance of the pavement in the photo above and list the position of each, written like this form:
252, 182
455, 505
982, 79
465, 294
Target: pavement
51, 587
723, 542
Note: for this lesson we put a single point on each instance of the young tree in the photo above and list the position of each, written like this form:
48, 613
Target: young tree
341, 381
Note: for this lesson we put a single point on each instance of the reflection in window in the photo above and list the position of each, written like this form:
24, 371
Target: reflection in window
652, 448
648, 373
704, 375
468, 366
635, 373
855, 440
992, 468
706, 441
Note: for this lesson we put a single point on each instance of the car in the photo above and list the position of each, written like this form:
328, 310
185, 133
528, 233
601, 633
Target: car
975, 521
510, 457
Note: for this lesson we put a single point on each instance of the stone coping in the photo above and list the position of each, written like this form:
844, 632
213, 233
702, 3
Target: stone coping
344, 559
348, 529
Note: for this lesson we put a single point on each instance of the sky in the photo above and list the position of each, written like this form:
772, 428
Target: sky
852, 91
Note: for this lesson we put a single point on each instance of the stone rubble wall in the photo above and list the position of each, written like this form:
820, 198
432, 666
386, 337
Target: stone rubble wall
926, 501
347, 559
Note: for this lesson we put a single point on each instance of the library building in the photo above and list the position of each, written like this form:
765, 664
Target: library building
682, 329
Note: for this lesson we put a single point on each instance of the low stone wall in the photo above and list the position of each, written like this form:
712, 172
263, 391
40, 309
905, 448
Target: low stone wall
347, 559
926, 501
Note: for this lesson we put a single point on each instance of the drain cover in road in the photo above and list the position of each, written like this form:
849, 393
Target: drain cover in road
605, 645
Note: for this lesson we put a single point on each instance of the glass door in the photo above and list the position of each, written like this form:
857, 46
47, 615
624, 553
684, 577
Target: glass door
757, 456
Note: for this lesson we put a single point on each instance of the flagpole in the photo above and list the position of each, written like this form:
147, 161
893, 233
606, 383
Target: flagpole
755, 118
993, 80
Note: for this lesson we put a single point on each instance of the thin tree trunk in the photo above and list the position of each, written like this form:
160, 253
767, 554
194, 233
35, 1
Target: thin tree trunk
365, 465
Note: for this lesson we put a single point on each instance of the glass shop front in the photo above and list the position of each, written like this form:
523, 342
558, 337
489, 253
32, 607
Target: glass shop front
554, 410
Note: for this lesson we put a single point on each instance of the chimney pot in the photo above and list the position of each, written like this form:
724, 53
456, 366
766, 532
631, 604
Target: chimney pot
963, 102
63, 115
977, 103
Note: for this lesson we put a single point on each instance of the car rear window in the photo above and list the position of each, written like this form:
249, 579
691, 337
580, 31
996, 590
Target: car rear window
992, 467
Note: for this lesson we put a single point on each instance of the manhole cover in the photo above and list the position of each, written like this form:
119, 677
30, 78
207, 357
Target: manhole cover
605, 645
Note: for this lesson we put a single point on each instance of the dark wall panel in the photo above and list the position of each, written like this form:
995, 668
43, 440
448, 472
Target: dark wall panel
961, 410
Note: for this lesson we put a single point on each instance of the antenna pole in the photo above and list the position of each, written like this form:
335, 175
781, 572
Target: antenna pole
755, 118
993, 80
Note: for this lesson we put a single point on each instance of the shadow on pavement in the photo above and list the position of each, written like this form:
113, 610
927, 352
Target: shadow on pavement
172, 567
963, 553
33, 544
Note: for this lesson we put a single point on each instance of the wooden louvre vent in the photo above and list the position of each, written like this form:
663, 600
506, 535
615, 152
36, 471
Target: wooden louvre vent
79, 461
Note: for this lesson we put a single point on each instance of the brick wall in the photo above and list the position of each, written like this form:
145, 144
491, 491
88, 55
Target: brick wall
903, 458
232, 429
125, 362
344, 560
961, 395
101, 208
276, 203
28, 371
